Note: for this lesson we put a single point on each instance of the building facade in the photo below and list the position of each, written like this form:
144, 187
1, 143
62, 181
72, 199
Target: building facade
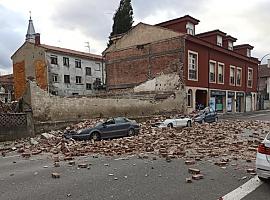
6, 88
264, 85
216, 72
60, 71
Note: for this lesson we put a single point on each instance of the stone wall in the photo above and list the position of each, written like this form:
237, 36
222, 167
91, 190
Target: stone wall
46, 107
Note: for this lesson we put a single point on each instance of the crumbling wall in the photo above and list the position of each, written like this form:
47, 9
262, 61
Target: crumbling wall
46, 107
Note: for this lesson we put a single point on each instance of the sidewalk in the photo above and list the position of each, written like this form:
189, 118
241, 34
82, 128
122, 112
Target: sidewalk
229, 115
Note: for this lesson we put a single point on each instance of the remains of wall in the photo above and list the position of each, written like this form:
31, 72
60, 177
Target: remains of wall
46, 107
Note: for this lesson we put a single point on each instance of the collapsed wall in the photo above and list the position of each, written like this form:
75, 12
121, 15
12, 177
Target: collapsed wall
46, 107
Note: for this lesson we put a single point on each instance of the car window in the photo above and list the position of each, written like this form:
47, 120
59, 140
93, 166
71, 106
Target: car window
120, 120
110, 121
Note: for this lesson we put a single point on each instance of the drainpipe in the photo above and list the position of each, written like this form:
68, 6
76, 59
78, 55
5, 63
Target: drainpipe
208, 71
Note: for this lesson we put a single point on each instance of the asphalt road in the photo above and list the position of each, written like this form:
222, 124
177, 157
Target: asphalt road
136, 179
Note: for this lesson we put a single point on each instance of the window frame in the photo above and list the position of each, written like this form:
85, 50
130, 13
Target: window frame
250, 86
66, 75
230, 47
91, 88
66, 59
78, 78
218, 42
241, 75
223, 72
78, 61
54, 57
55, 76
197, 67
232, 67
215, 74
189, 98
248, 53
86, 71
190, 28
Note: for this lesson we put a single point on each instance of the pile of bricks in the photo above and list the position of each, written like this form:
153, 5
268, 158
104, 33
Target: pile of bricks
223, 141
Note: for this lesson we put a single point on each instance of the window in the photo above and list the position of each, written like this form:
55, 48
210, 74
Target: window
66, 61
88, 86
98, 67
55, 78
238, 76
250, 77
230, 45
220, 73
212, 71
66, 79
219, 40
192, 65
54, 59
78, 79
189, 98
54, 92
88, 71
190, 28
78, 63
232, 75
248, 53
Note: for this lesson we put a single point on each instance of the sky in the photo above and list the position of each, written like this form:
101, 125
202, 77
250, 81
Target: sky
71, 23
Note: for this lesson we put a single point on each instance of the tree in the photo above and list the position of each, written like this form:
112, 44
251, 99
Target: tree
122, 19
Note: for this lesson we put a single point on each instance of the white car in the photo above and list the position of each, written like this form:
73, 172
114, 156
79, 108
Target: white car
263, 159
177, 122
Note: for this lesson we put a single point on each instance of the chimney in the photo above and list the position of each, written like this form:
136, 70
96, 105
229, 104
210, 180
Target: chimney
268, 63
37, 39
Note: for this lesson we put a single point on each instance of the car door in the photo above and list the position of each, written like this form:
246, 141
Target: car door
109, 128
122, 126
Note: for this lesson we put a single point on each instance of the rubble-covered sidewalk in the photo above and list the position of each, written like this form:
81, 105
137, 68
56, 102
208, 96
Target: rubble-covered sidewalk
225, 141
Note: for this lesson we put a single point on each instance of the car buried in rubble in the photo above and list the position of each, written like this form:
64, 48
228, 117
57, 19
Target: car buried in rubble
112, 128
175, 122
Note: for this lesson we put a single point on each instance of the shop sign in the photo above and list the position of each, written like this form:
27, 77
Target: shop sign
218, 93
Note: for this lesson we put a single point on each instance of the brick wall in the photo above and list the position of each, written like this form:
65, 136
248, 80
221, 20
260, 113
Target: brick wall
134, 65
53, 108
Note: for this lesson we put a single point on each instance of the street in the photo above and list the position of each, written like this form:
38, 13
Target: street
126, 177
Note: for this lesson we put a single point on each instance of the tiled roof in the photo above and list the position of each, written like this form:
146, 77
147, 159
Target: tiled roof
264, 71
71, 52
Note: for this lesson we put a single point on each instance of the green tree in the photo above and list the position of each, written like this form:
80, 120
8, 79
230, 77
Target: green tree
122, 19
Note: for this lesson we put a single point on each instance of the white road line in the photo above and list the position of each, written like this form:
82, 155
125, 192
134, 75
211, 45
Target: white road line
243, 190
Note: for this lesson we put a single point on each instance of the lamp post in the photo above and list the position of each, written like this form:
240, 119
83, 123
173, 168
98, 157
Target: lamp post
259, 93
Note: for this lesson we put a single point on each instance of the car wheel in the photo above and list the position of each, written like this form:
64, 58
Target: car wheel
131, 132
170, 125
189, 124
95, 136
263, 179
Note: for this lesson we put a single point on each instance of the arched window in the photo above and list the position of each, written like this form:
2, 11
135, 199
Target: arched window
189, 98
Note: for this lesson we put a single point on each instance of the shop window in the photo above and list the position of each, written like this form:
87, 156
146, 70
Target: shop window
189, 98
238, 76
192, 66
232, 75
220, 73
250, 77
212, 72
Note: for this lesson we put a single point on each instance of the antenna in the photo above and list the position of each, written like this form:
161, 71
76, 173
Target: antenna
30, 14
88, 46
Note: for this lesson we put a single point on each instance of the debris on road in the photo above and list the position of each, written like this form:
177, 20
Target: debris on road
55, 175
188, 180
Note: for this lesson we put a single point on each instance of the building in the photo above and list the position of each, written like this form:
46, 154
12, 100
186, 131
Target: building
60, 71
216, 72
264, 85
6, 88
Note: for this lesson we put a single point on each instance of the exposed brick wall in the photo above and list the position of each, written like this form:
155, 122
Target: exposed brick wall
132, 66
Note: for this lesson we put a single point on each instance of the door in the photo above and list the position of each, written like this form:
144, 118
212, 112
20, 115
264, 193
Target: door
248, 104
109, 128
179, 122
122, 126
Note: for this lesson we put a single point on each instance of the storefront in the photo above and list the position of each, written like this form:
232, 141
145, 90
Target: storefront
217, 100
230, 101
240, 102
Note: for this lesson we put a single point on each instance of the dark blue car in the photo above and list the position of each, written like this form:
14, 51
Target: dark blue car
115, 127
206, 115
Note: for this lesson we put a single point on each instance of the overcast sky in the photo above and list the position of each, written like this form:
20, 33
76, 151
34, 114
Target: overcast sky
71, 23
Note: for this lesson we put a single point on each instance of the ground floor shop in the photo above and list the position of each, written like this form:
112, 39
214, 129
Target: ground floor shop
223, 101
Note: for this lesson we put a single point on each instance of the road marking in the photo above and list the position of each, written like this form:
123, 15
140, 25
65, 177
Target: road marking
243, 190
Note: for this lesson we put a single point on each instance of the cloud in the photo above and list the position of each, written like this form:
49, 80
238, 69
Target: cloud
10, 39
